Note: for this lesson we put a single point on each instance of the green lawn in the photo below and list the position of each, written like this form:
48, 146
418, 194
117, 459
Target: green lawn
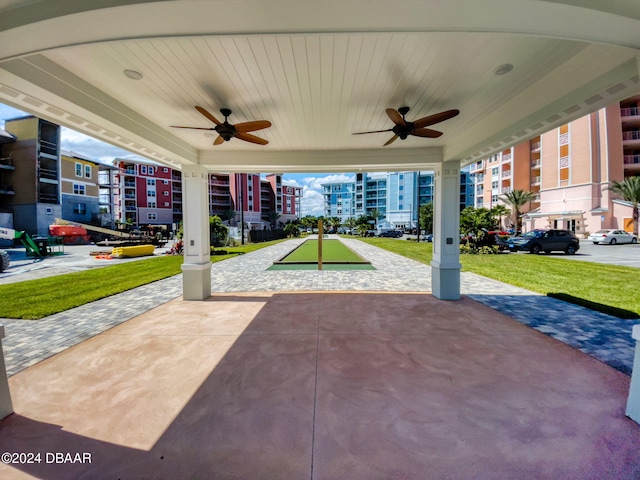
603, 284
35, 299
610, 285
332, 251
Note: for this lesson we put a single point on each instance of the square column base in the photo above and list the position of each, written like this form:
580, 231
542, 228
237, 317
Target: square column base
445, 281
196, 281
6, 407
633, 402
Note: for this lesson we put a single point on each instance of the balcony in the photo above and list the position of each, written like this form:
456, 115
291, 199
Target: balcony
506, 173
632, 159
535, 180
631, 138
506, 157
506, 190
536, 164
630, 112
535, 147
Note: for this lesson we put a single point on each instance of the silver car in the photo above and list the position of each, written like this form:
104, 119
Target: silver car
612, 237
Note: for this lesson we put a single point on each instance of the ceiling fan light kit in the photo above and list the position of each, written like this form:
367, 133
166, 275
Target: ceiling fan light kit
403, 128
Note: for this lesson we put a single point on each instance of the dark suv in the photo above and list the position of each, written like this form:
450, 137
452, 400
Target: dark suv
538, 241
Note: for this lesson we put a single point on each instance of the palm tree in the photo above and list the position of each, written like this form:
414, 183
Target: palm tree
334, 223
629, 190
375, 214
516, 199
498, 212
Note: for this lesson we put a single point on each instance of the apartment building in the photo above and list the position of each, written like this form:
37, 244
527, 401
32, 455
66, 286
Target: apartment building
395, 195
79, 187
570, 169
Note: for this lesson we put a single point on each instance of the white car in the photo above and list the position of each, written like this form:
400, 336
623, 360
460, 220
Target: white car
612, 237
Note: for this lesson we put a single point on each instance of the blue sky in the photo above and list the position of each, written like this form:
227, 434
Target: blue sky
312, 201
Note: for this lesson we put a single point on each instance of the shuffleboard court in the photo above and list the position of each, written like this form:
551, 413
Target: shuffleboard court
335, 256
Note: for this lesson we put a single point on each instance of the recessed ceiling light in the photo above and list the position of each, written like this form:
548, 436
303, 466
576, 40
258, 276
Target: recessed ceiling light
503, 69
133, 74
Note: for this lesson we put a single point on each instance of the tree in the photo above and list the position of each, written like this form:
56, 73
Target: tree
375, 214
517, 199
229, 215
475, 221
426, 217
351, 223
309, 221
498, 212
217, 231
273, 218
291, 230
334, 222
629, 190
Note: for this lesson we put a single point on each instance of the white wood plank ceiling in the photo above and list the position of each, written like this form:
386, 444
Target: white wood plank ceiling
317, 87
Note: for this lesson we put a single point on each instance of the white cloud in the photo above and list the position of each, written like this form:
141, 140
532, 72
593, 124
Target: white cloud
312, 198
92, 148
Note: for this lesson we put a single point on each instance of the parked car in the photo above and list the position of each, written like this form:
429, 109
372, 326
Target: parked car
538, 241
427, 238
390, 233
612, 237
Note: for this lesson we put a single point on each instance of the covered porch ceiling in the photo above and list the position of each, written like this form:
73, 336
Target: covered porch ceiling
319, 71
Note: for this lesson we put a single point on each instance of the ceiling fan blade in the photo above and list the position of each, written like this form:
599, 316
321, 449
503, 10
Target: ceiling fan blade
391, 140
395, 117
252, 126
208, 115
435, 118
247, 137
373, 131
219, 140
425, 132
193, 128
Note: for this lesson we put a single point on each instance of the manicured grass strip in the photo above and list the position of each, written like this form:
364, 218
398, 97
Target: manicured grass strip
611, 285
332, 251
35, 299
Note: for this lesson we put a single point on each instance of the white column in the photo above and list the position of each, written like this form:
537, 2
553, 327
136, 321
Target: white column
6, 407
196, 269
633, 402
445, 266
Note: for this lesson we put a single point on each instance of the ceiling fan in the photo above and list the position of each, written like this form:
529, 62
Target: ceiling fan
402, 128
226, 131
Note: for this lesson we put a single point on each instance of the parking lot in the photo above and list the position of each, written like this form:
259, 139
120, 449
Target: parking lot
626, 255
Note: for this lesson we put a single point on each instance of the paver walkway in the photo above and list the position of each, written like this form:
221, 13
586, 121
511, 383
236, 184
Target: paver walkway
602, 336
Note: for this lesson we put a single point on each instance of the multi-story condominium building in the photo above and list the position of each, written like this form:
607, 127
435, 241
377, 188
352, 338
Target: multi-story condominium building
145, 193
395, 195
287, 198
79, 187
570, 169
32, 171
151, 194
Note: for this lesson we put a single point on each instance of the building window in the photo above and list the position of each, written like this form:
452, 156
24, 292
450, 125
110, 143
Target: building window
78, 189
150, 170
165, 193
166, 182
78, 169
87, 171
165, 170
166, 204
151, 204
494, 171
80, 208
152, 216
143, 169
151, 182
151, 193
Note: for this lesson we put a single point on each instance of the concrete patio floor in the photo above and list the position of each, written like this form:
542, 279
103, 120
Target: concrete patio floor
322, 386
